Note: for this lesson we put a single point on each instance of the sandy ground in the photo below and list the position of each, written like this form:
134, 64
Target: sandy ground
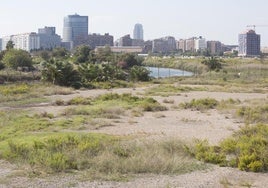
173, 123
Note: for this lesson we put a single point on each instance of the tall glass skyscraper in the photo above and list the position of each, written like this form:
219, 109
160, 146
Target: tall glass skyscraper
75, 28
138, 32
249, 44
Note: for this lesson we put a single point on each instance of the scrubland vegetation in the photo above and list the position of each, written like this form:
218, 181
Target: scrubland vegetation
47, 143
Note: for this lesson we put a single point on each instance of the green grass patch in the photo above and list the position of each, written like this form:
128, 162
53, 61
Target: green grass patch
105, 155
21, 94
113, 105
168, 90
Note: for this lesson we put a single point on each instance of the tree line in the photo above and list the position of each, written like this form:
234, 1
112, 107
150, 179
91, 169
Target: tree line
77, 69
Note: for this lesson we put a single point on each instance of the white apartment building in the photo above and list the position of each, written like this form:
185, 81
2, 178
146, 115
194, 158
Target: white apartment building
26, 41
200, 44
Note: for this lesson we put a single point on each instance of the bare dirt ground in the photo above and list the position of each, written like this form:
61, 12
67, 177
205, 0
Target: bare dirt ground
173, 123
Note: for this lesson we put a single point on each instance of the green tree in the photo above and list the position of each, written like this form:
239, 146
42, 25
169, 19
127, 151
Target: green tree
17, 58
105, 55
60, 53
82, 54
213, 63
61, 73
10, 45
139, 73
129, 60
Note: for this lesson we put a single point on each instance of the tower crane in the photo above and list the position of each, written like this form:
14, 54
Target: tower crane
254, 26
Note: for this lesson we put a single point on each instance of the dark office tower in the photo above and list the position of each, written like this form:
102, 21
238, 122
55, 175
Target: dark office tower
75, 29
138, 32
249, 44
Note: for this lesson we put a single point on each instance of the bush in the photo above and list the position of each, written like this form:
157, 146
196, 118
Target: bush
247, 150
254, 114
14, 89
200, 104
138, 73
79, 101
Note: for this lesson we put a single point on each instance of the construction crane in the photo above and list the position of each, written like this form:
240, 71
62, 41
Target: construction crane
254, 26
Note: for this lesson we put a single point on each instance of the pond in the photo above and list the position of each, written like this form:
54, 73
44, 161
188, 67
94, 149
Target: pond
167, 72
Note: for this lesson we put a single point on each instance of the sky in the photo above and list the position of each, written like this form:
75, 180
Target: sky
219, 20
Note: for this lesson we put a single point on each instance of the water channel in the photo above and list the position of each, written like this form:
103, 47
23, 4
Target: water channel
157, 72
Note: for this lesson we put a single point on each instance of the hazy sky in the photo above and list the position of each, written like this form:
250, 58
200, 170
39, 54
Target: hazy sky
213, 19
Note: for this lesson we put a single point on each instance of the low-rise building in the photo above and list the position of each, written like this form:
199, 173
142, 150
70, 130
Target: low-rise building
125, 41
164, 45
95, 40
123, 49
138, 42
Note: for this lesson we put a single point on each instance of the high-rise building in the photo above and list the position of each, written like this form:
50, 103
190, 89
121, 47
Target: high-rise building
200, 44
190, 44
138, 32
181, 45
75, 29
48, 38
249, 44
214, 47
26, 41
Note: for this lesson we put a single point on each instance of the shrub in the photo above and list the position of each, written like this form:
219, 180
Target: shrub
247, 150
200, 104
14, 89
257, 114
79, 101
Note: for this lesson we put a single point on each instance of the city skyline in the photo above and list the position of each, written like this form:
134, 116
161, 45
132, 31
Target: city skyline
215, 20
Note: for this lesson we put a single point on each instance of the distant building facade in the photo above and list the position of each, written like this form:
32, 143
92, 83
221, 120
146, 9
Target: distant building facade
190, 44
138, 32
26, 41
48, 38
200, 44
148, 46
214, 47
137, 42
264, 50
95, 40
125, 41
75, 29
249, 44
0, 44
181, 45
123, 49
164, 45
